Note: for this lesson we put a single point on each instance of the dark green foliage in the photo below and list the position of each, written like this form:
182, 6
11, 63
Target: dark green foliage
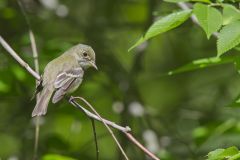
179, 115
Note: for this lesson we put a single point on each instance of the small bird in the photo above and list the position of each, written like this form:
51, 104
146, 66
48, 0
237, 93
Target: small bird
63, 75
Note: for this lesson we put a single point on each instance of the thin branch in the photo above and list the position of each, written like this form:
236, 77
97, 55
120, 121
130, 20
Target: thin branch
109, 129
185, 6
95, 138
127, 133
91, 115
36, 66
139, 145
34, 50
125, 130
18, 59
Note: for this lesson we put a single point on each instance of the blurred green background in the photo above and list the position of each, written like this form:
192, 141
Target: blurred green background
183, 116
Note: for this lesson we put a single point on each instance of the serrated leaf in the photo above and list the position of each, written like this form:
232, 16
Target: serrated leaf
203, 63
163, 25
209, 18
230, 14
221, 154
213, 155
229, 37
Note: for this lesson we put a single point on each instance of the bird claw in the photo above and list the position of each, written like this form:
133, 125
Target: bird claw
71, 98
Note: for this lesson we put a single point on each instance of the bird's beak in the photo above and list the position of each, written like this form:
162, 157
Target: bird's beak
94, 65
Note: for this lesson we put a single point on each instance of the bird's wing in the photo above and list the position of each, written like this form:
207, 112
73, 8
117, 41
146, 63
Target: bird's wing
64, 81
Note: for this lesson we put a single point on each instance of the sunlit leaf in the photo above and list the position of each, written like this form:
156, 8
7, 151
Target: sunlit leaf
213, 155
163, 25
229, 37
222, 154
203, 63
230, 14
210, 19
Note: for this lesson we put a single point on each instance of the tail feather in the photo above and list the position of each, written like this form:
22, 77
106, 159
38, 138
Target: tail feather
42, 103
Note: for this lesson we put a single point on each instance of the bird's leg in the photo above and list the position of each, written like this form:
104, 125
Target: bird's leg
69, 98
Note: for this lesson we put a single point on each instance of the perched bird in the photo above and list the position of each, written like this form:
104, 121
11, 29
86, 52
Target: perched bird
63, 75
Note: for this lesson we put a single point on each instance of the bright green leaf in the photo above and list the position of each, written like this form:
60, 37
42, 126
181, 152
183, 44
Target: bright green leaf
210, 19
214, 155
222, 154
163, 25
230, 14
229, 37
235, 157
203, 63
230, 151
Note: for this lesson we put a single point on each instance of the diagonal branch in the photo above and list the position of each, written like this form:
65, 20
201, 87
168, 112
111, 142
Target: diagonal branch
109, 129
126, 130
93, 116
18, 59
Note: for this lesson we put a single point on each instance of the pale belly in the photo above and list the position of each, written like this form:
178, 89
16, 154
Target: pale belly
75, 85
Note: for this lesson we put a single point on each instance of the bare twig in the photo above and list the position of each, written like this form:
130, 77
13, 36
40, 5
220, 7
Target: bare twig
127, 133
17, 58
109, 129
95, 138
34, 50
185, 6
109, 123
36, 66
139, 145
125, 130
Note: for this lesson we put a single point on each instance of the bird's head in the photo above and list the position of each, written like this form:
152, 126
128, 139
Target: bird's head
85, 56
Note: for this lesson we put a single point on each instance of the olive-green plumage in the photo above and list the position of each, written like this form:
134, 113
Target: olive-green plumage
63, 75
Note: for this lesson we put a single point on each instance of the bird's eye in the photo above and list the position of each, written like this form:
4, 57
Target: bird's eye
85, 54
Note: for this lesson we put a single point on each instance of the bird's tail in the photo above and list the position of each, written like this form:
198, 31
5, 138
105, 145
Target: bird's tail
42, 103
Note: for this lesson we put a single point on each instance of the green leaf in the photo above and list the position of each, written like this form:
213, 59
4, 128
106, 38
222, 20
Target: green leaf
229, 37
235, 157
163, 25
230, 14
222, 154
203, 63
213, 155
56, 157
210, 19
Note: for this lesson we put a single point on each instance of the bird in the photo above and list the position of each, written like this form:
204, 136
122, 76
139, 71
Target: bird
63, 75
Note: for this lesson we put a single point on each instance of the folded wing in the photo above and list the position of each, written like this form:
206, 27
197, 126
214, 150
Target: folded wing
65, 81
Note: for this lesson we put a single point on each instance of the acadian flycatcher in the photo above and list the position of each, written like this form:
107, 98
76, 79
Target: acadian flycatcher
63, 75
